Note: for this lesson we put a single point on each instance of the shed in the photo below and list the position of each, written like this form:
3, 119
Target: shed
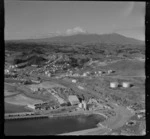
73, 99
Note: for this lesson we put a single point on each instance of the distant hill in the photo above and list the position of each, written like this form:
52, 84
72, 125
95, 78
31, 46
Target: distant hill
92, 38
29, 60
113, 38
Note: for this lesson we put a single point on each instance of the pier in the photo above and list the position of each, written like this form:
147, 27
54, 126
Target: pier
32, 115
75, 113
24, 115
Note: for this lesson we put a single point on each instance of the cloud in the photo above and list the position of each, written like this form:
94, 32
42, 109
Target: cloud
75, 30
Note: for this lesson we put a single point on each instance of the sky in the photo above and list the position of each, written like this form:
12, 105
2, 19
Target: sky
35, 19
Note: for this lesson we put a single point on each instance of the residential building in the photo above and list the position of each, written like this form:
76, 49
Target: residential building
31, 106
74, 81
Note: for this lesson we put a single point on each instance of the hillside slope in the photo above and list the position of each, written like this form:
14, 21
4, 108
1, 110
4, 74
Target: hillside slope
89, 38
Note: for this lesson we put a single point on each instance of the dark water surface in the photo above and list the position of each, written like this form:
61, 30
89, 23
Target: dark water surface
51, 126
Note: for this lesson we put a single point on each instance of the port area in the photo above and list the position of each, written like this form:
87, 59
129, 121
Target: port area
32, 115
114, 122
122, 115
114, 97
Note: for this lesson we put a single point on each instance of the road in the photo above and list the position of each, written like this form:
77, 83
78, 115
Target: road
122, 116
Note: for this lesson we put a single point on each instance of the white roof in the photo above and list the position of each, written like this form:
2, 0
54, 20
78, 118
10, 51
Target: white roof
73, 98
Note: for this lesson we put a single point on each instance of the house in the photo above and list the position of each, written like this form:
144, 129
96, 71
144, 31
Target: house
35, 81
31, 106
49, 74
75, 74
73, 99
84, 74
6, 71
99, 72
34, 88
34, 65
109, 71
74, 81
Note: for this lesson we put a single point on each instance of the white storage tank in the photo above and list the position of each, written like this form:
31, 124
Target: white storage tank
125, 84
113, 84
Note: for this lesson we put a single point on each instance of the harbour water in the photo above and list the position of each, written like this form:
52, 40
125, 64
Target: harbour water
51, 126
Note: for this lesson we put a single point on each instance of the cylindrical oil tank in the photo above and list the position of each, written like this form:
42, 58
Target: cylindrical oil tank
113, 84
125, 84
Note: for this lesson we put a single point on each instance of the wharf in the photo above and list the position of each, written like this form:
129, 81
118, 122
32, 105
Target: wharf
25, 115
75, 113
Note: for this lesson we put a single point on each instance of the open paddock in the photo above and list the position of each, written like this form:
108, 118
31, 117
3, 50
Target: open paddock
22, 100
11, 108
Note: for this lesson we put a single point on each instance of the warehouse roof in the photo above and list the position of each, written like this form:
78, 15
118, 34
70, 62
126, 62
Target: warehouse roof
73, 98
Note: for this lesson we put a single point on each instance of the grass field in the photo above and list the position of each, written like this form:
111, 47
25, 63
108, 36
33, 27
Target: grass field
10, 90
46, 84
128, 67
21, 100
8, 93
11, 108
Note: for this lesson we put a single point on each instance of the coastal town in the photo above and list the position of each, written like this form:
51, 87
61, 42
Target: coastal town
47, 93
74, 68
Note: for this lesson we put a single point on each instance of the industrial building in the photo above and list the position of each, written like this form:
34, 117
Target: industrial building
73, 99
82, 105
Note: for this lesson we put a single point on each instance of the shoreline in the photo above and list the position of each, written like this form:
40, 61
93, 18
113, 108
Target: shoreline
101, 129
54, 115
122, 116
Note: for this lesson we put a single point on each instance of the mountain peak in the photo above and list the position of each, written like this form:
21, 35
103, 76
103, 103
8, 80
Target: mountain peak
77, 37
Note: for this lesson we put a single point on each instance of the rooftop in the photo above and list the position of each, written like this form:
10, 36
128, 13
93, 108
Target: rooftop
73, 98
